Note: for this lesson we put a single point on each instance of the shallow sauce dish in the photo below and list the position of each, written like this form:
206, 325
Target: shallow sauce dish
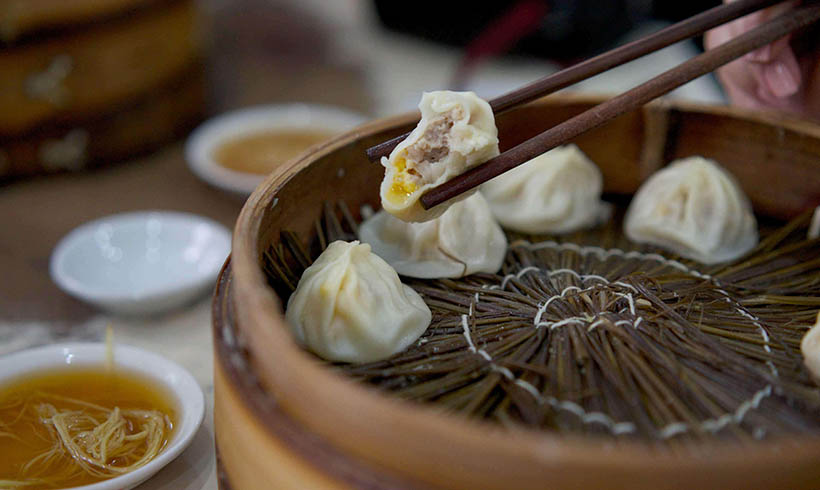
186, 393
142, 262
203, 143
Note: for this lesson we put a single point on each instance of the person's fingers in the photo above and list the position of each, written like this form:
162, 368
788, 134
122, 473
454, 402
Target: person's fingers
782, 75
766, 74
744, 96
772, 77
717, 36
770, 51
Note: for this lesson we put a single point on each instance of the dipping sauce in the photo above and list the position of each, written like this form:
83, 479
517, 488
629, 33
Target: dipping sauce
115, 420
262, 151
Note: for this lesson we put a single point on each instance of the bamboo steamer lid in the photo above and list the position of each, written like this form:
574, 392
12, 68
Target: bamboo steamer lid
282, 417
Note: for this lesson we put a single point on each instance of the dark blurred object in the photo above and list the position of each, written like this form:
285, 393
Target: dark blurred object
521, 20
274, 51
675, 11
88, 82
570, 29
20, 19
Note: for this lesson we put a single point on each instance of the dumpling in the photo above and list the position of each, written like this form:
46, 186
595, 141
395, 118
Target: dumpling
557, 192
694, 208
810, 347
457, 131
350, 306
814, 226
464, 240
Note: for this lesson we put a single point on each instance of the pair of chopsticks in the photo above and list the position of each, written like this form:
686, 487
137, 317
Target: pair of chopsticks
702, 64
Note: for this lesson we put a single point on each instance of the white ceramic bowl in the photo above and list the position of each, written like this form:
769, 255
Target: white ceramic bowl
190, 401
200, 146
141, 262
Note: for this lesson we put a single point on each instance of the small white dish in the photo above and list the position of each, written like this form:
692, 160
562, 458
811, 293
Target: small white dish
190, 402
204, 140
141, 262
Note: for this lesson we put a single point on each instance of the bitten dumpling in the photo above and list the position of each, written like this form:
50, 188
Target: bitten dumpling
694, 208
457, 131
557, 192
464, 240
350, 306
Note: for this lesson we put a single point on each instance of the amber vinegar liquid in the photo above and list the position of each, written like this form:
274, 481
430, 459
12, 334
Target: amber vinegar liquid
261, 152
23, 438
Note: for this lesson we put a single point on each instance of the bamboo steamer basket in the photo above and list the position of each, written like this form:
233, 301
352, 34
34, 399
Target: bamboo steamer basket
283, 419
141, 126
106, 66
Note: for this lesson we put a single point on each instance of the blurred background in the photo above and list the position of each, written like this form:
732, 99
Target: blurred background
97, 96
378, 56
89, 82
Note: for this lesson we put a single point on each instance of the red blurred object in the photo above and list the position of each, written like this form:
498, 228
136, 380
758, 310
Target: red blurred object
521, 20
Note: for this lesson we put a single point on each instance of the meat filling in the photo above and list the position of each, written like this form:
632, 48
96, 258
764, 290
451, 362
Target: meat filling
432, 147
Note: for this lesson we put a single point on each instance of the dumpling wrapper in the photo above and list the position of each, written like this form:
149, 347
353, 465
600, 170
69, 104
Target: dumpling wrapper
557, 192
350, 306
810, 347
814, 225
464, 240
457, 131
696, 209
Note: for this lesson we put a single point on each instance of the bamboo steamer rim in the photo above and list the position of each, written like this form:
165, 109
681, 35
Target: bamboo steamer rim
423, 441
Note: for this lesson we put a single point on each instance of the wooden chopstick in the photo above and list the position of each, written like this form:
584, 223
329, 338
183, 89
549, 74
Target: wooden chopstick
704, 63
685, 29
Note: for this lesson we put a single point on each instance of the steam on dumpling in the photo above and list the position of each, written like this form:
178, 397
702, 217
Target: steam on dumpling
694, 208
557, 192
457, 131
464, 240
350, 306
810, 347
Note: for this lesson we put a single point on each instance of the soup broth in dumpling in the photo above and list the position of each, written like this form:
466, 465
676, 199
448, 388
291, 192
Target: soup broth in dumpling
457, 131
350, 306
694, 208
464, 240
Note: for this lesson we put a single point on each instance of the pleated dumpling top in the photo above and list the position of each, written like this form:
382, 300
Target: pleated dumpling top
350, 306
696, 209
464, 240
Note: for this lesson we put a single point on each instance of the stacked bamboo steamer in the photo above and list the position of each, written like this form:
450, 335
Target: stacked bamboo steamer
88, 82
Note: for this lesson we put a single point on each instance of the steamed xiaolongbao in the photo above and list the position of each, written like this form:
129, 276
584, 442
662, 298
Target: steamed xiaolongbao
457, 131
351, 306
557, 192
810, 348
464, 240
694, 208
